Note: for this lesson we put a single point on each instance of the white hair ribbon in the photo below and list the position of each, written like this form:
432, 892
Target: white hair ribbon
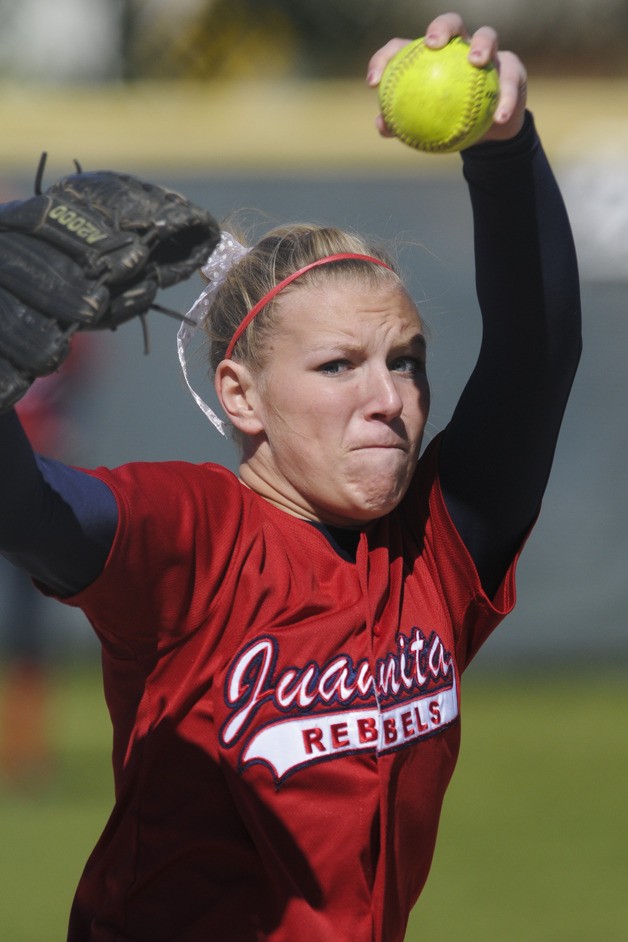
226, 254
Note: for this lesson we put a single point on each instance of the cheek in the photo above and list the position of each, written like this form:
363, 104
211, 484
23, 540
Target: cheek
425, 398
303, 405
417, 402
296, 428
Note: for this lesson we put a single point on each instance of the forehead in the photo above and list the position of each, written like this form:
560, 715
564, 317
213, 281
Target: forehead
347, 307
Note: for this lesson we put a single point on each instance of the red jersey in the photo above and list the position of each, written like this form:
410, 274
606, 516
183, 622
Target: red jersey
286, 721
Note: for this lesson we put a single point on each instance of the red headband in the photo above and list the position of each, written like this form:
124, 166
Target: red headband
282, 284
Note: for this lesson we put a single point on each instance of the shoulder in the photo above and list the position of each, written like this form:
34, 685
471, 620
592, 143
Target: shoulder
148, 472
176, 520
169, 480
176, 495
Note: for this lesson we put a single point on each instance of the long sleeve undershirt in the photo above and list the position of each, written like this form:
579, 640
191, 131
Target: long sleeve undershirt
58, 523
497, 451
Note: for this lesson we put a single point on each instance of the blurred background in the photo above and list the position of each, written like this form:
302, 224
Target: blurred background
261, 105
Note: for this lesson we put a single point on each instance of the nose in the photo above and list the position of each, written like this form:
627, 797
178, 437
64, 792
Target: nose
383, 400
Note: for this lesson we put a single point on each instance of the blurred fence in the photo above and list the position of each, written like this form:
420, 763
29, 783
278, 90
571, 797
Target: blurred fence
112, 40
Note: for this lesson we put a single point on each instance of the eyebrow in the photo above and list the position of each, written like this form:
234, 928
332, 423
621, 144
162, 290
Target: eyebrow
416, 340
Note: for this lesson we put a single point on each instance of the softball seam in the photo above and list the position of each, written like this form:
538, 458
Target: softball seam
472, 107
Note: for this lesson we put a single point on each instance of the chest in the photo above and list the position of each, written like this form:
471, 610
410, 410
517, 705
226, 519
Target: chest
322, 659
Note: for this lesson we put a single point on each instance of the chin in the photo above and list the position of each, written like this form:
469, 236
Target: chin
374, 503
379, 490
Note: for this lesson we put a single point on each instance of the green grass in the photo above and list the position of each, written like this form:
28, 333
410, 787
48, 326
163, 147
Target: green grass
533, 840
47, 833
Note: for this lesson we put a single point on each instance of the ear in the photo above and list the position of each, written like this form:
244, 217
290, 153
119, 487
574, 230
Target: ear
237, 390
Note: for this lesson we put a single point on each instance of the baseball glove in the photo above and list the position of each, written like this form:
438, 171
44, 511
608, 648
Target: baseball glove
88, 253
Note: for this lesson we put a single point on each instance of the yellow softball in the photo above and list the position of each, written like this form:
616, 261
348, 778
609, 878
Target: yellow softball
435, 99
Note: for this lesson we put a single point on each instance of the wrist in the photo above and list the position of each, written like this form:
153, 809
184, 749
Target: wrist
518, 143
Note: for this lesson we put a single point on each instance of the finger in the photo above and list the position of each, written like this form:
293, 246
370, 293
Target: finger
444, 28
382, 127
484, 46
512, 87
380, 59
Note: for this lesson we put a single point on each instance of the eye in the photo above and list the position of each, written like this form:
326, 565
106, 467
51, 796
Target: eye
334, 367
408, 364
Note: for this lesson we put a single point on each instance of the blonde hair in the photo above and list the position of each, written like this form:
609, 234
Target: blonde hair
281, 252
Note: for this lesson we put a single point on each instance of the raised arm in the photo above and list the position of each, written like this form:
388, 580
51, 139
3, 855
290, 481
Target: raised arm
497, 451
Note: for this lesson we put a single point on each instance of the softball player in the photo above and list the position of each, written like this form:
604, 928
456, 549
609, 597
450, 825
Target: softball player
282, 650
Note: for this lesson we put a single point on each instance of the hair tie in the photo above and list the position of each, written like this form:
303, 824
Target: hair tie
227, 253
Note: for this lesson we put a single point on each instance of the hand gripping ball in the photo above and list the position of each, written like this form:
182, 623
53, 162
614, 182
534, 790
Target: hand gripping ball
435, 100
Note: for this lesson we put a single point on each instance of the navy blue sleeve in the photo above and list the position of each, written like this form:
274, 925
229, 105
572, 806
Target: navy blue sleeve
56, 522
498, 449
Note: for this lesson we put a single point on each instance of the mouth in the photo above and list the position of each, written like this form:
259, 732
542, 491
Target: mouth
382, 446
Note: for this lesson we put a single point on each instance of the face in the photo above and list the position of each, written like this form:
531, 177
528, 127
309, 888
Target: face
342, 403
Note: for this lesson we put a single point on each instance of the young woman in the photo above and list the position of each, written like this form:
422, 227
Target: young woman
282, 650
